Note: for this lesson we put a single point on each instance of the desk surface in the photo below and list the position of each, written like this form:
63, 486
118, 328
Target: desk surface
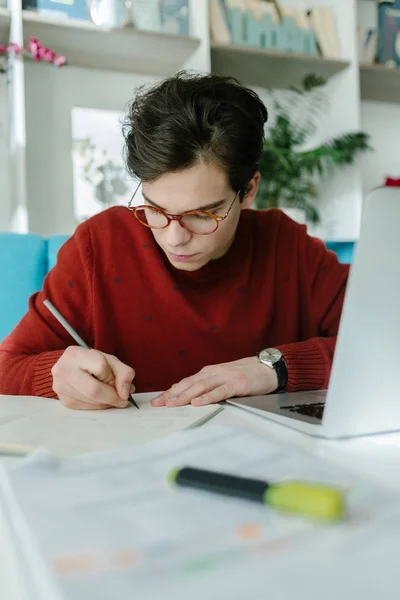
377, 458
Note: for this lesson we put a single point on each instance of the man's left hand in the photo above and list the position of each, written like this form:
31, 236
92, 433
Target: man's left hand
245, 377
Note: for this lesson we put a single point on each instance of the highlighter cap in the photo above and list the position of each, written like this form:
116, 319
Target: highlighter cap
319, 501
172, 475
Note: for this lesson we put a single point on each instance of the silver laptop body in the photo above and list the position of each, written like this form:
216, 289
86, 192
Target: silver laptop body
364, 389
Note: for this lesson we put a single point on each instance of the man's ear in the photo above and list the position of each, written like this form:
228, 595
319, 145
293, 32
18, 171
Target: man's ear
251, 191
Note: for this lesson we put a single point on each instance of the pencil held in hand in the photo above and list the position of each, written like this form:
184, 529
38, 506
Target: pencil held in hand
105, 368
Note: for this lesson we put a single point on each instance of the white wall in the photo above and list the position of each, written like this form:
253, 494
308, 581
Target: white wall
4, 170
381, 120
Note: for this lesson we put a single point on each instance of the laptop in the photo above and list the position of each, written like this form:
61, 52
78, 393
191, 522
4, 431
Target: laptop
363, 396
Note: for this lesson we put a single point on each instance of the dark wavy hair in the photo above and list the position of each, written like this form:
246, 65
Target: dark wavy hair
190, 117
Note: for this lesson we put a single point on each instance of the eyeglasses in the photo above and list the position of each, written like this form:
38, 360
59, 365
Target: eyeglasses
199, 222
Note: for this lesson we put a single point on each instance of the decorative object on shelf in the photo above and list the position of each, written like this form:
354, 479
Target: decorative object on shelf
35, 52
389, 32
392, 182
289, 174
367, 45
72, 9
262, 24
175, 16
111, 13
99, 174
146, 15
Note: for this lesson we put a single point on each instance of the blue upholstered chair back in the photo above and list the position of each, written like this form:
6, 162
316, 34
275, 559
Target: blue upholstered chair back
25, 260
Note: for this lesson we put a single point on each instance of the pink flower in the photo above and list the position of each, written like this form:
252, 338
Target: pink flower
15, 48
48, 55
33, 44
36, 49
60, 60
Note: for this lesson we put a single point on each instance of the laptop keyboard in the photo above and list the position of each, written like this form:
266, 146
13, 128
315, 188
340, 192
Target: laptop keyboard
311, 410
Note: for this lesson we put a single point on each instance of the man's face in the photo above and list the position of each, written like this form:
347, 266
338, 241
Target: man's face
194, 189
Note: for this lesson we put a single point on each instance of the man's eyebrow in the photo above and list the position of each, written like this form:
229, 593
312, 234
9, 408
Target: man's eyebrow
211, 206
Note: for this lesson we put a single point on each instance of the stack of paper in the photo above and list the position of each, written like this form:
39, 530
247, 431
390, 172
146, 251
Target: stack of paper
27, 423
109, 526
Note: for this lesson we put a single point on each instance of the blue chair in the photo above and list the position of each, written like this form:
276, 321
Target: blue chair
25, 259
344, 250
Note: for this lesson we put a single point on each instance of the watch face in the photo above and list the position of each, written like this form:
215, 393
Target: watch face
270, 355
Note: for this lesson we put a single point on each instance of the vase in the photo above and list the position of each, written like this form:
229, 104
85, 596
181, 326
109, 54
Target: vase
110, 13
296, 214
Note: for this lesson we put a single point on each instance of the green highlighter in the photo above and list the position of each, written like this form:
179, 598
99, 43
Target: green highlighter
312, 500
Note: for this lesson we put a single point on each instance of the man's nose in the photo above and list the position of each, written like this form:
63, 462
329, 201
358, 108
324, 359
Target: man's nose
177, 235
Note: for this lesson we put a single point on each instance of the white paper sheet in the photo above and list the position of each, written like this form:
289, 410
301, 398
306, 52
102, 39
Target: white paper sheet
108, 526
29, 423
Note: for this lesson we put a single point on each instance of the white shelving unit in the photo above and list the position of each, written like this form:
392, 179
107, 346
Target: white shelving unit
105, 66
263, 68
124, 50
380, 83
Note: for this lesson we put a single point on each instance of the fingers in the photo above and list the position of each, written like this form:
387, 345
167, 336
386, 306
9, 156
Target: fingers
198, 390
82, 378
218, 394
177, 390
123, 376
83, 387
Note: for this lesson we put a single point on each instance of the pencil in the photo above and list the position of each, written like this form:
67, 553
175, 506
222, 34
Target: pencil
74, 335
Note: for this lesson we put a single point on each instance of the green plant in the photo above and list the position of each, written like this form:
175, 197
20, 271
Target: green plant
290, 173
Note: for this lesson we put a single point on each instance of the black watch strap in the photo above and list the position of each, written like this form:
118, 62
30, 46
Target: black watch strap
282, 374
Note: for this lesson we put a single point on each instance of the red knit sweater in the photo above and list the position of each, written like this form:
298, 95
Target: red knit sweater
275, 287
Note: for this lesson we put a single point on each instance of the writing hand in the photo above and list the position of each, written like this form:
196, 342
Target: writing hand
86, 379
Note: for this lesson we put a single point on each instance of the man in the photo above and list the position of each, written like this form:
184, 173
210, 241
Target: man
192, 293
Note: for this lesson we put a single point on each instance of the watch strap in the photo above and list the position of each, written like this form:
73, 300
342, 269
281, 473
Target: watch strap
282, 374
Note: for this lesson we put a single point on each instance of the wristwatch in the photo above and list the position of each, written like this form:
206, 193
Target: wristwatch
274, 359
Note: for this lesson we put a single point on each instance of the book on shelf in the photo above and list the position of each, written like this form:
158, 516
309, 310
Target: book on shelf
389, 33
261, 24
259, 8
323, 21
219, 28
367, 45
70, 9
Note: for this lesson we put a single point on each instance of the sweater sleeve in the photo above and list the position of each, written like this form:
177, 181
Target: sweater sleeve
309, 362
30, 351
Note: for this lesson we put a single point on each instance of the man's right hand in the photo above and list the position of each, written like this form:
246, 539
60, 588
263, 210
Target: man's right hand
91, 380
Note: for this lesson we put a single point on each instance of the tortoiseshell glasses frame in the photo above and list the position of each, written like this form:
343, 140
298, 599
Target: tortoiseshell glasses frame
206, 223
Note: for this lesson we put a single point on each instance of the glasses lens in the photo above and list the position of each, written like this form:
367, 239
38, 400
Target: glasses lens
200, 223
152, 217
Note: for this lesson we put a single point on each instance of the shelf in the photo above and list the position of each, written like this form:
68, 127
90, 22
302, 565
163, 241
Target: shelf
124, 50
380, 83
266, 68
5, 20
